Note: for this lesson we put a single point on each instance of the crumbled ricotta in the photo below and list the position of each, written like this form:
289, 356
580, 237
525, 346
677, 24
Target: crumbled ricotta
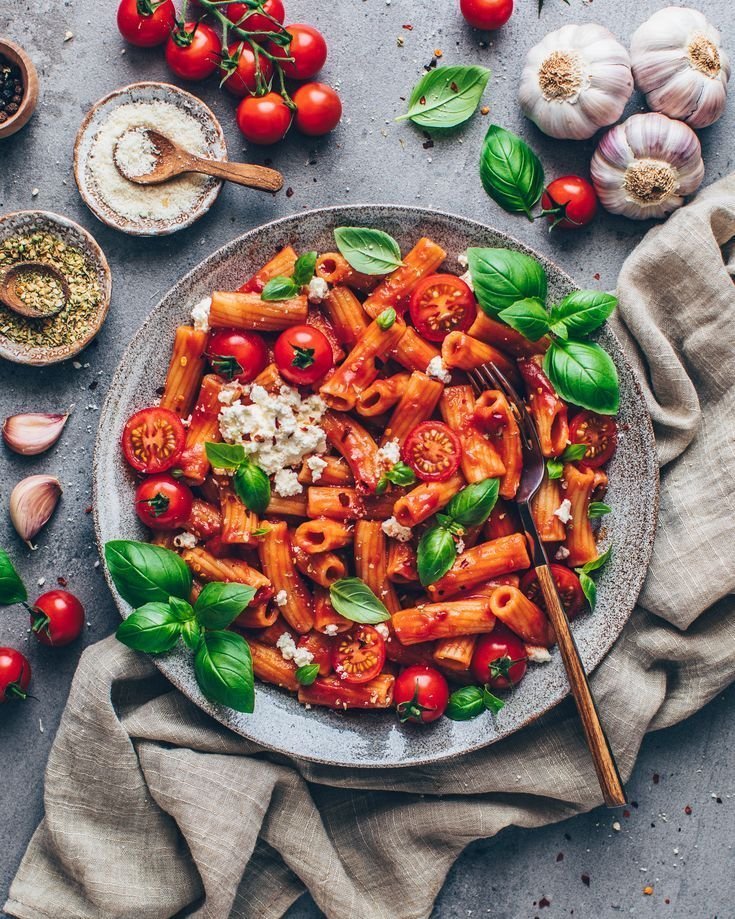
437, 371
331, 629
463, 260
317, 466
389, 454
286, 483
291, 652
564, 511
281, 598
200, 314
391, 527
382, 629
317, 290
460, 546
561, 553
229, 392
537, 654
467, 278
185, 541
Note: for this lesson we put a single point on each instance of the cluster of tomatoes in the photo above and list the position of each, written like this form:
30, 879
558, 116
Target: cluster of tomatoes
251, 53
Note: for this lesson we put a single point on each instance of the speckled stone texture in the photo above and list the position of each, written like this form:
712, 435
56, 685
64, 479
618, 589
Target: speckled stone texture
687, 858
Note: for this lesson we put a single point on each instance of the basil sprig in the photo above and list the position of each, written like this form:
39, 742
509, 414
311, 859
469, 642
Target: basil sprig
283, 288
470, 701
587, 583
354, 600
598, 509
368, 251
12, 589
555, 465
447, 96
252, 486
510, 171
398, 474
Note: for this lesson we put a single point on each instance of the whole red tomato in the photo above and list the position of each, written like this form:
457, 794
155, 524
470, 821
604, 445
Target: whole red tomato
163, 503
499, 658
57, 618
241, 15
421, 694
486, 14
308, 50
15, 675
571, 202
193, 51
303, 355
146, 23
318, 108
264, 119
237, 355
240, 70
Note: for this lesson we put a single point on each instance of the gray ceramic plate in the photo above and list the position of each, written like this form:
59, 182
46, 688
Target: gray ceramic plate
376, 739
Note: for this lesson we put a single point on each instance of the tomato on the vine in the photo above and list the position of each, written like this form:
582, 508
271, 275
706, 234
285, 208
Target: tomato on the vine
240, 70
308, 50
569, 202
163, 503
57, 618
440, 304
264, 119
153, 439
600, 435
246, 18
303, 355
433, 451
318, 109
421, 694
146, 23
193, 51
486, 14
499, 658
237, 355
567, 583
358, 655
15, 675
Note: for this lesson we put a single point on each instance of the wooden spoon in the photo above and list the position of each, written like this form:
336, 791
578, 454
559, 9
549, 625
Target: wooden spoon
9, 296
172, 160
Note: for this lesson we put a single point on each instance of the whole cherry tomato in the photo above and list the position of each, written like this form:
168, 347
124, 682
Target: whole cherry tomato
486, 14
308, 50
433, 451
318, 109
303, 355
421, 694
567, 583
163, 503
193, 52
146, 23
499, 658
571, 202
599, 433
15, 675
237, 355
57, 618
239, 68
153, 439
264, 119
245, 18
358, 655
440, 304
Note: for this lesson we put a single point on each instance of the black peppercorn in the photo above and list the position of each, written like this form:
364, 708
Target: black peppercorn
11, 89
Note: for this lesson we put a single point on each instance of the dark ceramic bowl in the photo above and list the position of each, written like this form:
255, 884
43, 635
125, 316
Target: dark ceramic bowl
376, 739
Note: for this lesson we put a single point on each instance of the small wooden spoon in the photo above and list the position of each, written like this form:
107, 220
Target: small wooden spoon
9, 296
172, 160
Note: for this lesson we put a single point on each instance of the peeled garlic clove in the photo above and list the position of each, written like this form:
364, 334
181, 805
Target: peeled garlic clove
33, 432
32, 502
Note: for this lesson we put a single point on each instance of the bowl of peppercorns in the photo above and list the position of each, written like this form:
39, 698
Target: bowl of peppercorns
18, 88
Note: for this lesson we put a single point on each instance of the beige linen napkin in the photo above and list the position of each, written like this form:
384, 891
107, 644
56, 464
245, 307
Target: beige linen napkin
153, 809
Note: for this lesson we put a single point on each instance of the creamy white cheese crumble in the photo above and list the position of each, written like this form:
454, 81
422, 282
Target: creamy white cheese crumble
281, 598
460, 546
389, 454
286, 483
391, 527
437, 371
467, 278
229, 392
291, 652
463, 260
185, 541
317, 466
200, 314
331, 629
564, 511
317, 290
382, 630
561, 553
537, 654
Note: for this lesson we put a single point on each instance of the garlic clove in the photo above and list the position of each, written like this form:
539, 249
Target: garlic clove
32, 433
32, 502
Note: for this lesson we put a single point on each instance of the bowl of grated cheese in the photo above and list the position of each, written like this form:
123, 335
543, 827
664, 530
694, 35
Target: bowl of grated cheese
146, 210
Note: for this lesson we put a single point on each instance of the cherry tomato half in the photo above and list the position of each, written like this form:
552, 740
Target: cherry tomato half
303, 355
146, 23
264, 119
163, 503
153, 439
572, 201
308, 50
193, 52
433, 451
318, 109
486, 14
567, 583
358, 655
57, 618
421, 695
598, 432
245, 18
440, 304
15, 675
499, 658
240, 67
237, 355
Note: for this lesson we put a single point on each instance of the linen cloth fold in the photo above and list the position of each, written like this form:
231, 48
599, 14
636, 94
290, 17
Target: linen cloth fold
154, 810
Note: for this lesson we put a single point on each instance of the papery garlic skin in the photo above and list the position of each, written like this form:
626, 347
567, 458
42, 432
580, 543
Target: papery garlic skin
646, 166
679, 63
32, 502
32, 433
575, 81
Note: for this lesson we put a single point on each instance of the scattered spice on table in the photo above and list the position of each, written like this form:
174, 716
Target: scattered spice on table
11, 89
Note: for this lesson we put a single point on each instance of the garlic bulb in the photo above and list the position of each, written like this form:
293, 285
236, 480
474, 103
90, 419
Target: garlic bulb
645, 166
32, 502
32, 432
575, 81
679, 64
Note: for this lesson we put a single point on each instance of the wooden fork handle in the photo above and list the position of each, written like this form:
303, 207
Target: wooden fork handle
602, 755
242, 174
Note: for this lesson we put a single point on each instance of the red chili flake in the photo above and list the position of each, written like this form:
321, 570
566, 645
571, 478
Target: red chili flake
596, 275
464, 563
544, 902
289, 192
586, 880
453, 86
408, 27
626, 813
62, 582
88, 510
422, 100
560, 857
656, 778
343, 499
687, 810
667, 901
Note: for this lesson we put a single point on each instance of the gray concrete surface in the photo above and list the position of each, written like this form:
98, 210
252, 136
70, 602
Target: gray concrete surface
688, 859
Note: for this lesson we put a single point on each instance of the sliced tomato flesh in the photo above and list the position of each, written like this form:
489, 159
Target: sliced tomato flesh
567, 583
440, 304
600, 435
433, 451
358, 655
153, 439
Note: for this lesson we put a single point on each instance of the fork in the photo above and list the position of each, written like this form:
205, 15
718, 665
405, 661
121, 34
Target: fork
487, 376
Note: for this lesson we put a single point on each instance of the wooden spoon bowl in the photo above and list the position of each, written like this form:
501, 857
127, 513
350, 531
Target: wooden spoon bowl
9, 294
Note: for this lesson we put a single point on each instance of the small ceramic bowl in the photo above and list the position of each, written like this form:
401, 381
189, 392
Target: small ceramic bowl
24, 223
148, 92
14, 54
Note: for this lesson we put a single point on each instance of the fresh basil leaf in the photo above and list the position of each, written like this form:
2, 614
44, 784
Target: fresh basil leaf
386, 319
354, 600
224, 670
584, 374
153, 628
510, 171
473, 505
589, 588
554, 468
560, 330
447, 96
529, 317
12, 589
491, 702
307, 674
252, 487
143, 573
500, 277
219, 604
573, 453
598, 509
596, 563
181, 610
583, 311
225, 456
466, 703
368, 251
280, 288
435, 555
261, 531
398, 474
191, 633
303, 270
